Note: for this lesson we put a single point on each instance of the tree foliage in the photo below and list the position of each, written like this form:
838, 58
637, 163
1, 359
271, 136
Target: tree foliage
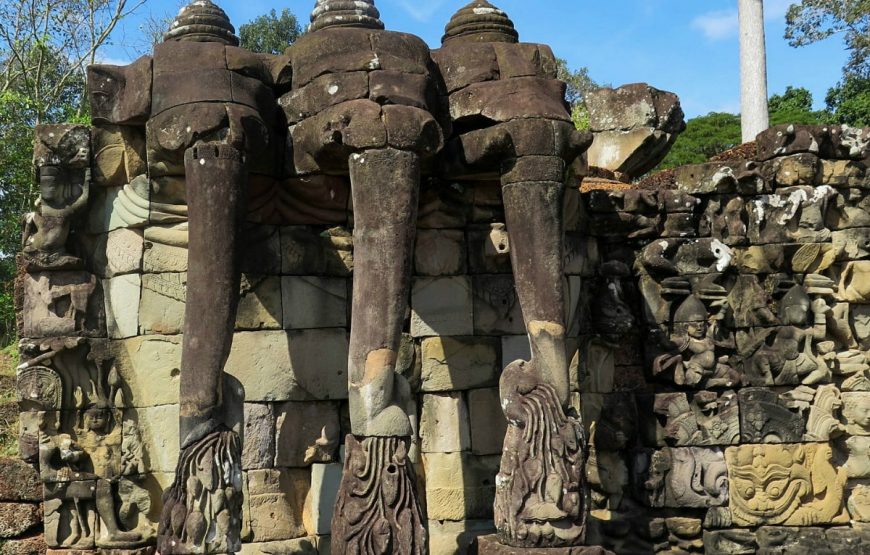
579, 83
810, 21
270, 33
849, 101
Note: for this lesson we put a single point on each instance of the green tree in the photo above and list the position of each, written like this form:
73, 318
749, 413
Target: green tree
849, 101
810, 21
579, 83
270, 33
795, 105
704, 137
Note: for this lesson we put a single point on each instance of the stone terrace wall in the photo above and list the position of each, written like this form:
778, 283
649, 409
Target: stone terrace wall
735, 418
721, 331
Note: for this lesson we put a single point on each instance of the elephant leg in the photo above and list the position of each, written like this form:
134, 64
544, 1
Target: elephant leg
377, 509
542, 466
533, 213
202, 509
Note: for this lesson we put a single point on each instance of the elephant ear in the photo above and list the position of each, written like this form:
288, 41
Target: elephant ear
121, 95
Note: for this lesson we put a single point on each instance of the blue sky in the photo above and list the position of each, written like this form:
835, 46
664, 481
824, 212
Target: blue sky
686, 46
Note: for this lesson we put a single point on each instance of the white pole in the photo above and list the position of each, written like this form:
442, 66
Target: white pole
753, 69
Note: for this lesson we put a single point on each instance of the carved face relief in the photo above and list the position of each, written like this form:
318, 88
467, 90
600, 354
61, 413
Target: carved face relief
856, 411
791, 485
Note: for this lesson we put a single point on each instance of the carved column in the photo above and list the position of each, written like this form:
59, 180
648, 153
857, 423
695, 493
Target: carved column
528, 141
202, 509
377, 510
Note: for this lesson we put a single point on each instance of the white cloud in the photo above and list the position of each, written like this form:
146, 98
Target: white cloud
111, 61
717, 25
421, 11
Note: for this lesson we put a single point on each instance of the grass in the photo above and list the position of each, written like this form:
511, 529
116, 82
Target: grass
8, 405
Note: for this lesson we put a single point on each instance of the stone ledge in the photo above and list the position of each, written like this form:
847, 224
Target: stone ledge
489, 545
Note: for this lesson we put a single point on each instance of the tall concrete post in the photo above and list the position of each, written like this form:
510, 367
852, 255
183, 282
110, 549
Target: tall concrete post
753, 69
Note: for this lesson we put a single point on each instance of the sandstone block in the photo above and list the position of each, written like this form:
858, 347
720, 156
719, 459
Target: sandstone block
314, 302
299, 546
275, 502
157, 428
319, 505
440, 253
441, 306
122, 295
150, 368
259, 303
488, 423
161, 308
290, 366
456, 363
161, 257
444, 424
32, 545
299, 426
304, 251
497, 308
451, 498
259, 438
634, 127
456, 538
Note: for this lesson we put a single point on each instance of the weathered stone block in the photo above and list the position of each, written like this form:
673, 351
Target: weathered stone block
298, 546
304, 251
456, 538
275, 501
448, 498
32, 545
444, 424
159, 431
681, 477
441, 306
515, 347
58, 304
150, 368
258, 451
497, 308
122, 294
161, 308
118, 252
290, 366
299, 426
440, 253
160, 257
320, 503
456, 363
488, 423
259, 303
314, 302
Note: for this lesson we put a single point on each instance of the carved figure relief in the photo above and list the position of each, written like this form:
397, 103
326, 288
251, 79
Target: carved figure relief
794, 353
681, 477
709, 419
62, 171
692, 359
85, 463
795, 485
